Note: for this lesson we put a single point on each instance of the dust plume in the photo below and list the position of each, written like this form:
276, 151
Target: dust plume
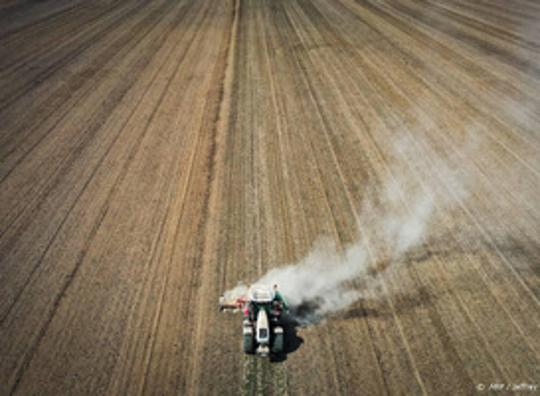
395, 218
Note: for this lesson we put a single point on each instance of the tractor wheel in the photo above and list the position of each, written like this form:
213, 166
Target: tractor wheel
249, 343
279, 341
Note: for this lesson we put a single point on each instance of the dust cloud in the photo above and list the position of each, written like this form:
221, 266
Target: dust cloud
396, 217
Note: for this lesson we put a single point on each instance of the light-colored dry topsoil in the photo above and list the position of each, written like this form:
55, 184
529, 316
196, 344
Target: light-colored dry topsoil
155, 153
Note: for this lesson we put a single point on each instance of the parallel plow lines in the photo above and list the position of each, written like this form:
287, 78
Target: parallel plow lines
155, 154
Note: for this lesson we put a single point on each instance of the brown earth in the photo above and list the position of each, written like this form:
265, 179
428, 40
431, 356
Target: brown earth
156, 153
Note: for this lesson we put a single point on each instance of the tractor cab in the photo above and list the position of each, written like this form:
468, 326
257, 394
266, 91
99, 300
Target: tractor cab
261, 294
263, 297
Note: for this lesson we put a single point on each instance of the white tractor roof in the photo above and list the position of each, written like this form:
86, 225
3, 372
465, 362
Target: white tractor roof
261, 293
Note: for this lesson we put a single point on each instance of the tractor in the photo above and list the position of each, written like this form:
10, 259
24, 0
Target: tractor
262, 328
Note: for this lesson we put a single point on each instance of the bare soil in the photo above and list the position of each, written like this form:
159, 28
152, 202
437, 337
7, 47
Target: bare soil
156, 153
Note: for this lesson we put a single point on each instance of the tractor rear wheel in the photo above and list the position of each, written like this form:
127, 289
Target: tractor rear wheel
279, 340
249, 343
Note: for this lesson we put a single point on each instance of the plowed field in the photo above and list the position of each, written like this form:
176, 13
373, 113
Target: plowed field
153, 154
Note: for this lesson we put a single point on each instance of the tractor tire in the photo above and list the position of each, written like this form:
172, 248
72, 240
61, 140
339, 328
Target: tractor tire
249, 343
279, 341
